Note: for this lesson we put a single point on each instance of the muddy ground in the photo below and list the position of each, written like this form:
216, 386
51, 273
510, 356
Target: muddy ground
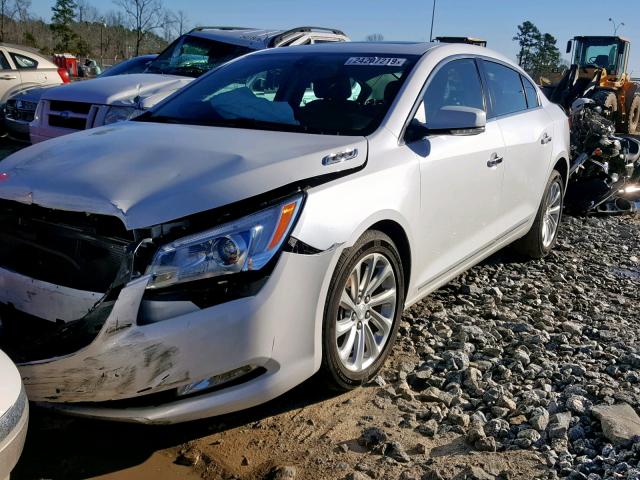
310, 429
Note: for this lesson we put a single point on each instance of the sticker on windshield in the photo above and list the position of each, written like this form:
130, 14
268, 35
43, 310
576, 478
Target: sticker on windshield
376, 61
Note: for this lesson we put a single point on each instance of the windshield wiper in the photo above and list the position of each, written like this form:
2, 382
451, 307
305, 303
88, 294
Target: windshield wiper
253, 123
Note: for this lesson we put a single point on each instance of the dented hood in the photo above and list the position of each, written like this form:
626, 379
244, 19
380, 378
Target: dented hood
149, 173
139, 89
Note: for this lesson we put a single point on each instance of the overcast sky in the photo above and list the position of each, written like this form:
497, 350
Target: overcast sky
493, 20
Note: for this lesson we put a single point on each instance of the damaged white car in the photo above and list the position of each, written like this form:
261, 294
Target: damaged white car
269, 221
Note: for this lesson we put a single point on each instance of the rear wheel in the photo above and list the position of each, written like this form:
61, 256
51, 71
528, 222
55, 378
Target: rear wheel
363, 311
541, 239
633, 118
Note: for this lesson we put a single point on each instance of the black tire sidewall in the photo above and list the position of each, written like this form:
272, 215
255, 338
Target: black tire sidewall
635, 104
371, 242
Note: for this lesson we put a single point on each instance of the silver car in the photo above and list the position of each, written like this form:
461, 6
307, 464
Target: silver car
269, 221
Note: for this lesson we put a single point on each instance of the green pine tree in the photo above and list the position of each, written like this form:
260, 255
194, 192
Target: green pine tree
528, 37
64, 12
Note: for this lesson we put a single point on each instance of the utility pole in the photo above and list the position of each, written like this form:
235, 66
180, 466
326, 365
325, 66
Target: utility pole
433, 16
616, 26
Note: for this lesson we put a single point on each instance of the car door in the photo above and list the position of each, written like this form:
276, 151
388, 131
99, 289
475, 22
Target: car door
461, 176
9, 77
527, 130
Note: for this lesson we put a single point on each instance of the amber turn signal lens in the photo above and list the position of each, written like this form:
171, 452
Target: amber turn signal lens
286, 215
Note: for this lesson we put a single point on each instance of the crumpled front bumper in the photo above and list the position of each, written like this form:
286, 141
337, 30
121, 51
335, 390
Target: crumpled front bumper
276, 329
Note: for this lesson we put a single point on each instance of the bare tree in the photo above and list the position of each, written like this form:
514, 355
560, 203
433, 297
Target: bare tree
374, 37
86, 11
169, 25
143, 16
21, 9
183, 20
6, 12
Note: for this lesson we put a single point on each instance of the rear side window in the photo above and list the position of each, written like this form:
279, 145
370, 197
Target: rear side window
24, 62
455, 84
4, 63
531, 93
505, 86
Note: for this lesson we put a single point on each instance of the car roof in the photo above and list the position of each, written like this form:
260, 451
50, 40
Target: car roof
30, 52
258, 38
380, 48
393, 48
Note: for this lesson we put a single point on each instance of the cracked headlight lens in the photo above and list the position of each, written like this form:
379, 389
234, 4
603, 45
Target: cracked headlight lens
120, 114
242, 245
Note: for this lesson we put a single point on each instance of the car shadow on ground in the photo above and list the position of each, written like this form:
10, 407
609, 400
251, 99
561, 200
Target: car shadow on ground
63, 447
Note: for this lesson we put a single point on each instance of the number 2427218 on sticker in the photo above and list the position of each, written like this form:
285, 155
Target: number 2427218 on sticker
376, 61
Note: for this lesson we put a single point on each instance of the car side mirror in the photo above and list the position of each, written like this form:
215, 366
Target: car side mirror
569, 45
454, 120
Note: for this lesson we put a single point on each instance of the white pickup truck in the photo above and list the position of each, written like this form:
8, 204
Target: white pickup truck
103, 101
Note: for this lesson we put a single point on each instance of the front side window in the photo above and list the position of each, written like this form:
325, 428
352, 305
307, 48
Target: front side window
326, 93
4, 63
455, 84
505, 86
192, 56
24, 62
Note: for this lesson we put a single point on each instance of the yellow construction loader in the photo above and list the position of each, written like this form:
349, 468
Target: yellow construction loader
599, 71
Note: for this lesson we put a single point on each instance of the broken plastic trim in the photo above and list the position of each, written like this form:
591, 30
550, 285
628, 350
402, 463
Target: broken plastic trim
169, 396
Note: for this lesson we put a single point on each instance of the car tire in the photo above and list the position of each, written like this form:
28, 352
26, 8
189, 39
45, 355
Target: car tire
633, 117
365, 321
538, 242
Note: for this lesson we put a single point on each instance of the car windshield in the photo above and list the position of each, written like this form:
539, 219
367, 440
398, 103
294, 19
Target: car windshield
192, 56
134, 65
599, 52
325, 93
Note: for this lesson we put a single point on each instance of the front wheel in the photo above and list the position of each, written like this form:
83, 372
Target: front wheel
633, 118
363, 310
541, 239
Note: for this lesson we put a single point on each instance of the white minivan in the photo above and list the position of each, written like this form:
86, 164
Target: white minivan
271, 220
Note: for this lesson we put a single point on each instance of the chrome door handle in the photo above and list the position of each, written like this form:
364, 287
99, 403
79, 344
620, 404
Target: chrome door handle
8, 77
545, 139
495, 160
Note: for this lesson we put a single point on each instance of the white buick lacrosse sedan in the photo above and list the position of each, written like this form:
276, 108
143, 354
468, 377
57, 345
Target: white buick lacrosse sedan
269, 221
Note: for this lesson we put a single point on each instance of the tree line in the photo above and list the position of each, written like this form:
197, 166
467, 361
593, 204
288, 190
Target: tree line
130, 28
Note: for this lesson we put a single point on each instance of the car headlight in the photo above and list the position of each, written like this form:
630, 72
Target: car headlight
120, 114
242, 245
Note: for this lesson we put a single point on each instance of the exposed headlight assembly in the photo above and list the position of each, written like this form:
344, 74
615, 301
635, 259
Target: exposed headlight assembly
242, 245
120, 114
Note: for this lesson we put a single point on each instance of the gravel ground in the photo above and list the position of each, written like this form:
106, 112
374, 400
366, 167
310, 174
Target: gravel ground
516, 370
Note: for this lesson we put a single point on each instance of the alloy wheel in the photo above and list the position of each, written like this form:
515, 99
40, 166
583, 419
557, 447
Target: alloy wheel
551, 219
366, 312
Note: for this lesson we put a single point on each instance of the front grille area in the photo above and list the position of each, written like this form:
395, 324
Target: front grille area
22, 111
74, 250
71, 115
74, 123
75, 107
